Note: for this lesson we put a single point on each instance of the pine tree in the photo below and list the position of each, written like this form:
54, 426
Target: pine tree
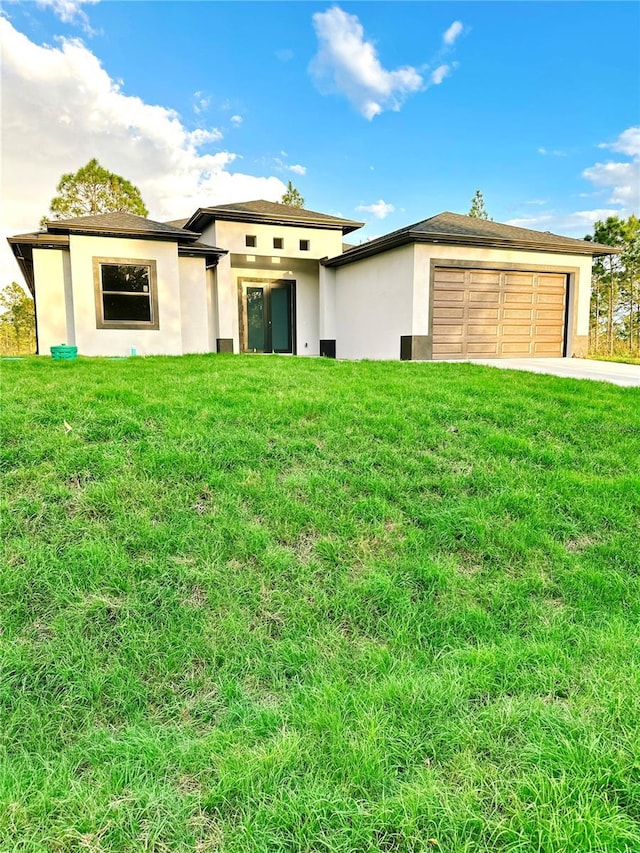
478, 210
292, 197
93, 189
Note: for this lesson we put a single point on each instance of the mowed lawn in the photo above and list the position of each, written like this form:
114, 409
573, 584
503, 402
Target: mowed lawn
278, 604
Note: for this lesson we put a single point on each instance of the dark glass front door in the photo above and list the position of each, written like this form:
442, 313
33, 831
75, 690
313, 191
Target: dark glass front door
269, 317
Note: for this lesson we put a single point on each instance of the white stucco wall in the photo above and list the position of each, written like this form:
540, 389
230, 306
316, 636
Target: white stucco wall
194, 305
54, 301
226, 299
327, 304
116, 342
231, 235
374, 305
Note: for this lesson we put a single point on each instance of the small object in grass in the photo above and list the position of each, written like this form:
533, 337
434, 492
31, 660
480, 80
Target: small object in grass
63, 352
433, 842
453, 428
67, 427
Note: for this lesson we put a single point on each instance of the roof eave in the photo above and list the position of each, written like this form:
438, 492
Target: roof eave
114, 231
209, 214
211, 254
406, 237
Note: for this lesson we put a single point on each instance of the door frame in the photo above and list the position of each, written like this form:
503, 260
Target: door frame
266, 283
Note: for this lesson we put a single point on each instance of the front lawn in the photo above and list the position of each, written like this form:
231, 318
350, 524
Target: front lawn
276, 604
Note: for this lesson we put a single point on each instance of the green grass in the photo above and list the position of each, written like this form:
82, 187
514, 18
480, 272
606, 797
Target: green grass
623, 359
274, 604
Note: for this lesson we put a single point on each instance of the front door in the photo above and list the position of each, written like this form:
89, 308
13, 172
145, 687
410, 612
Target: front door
267, 316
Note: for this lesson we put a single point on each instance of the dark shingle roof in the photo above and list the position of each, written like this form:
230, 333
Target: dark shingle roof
120, 223
106, 224
177, 223
271, 212
452, 228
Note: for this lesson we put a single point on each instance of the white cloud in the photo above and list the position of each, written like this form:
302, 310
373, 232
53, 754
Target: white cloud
68, 10
380, 209
620, 180
348, 64
575, 224
617, 182
452, 33
236, 121
201, 137
296, 168
63, 96
627, 143
200, 103
438, 74
555, 153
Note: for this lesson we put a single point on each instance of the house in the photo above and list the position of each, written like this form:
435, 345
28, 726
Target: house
265, 277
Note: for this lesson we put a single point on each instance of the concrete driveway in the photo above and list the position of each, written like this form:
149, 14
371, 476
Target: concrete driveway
571, 368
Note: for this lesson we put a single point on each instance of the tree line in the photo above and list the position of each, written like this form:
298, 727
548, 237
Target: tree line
614, 327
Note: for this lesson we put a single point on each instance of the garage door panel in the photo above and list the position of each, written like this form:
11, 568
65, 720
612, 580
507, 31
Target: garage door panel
446, 297
522, 330
475, 315
491, 277
481, 348
551, 280
550, 299
517, 313
546, 348
483, 330
484, 296
549, 315
447, 350
450, 333
494, 313
447, 276
515, 348
518, 297
443, 313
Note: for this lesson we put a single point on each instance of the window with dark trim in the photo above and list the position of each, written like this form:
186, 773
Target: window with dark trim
304, 245
278, 243
125, 293
250, 241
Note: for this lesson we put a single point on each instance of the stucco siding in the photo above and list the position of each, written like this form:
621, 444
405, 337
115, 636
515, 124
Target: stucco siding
116, 342
54, 303
231, 235
374, 305
194, 305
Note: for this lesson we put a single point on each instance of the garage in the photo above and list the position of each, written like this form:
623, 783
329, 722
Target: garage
458, 287
484, 313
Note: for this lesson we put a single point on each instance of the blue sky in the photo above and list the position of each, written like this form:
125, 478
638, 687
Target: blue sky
386, 112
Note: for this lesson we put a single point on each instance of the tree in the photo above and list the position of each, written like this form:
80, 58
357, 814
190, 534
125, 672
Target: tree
615, 295
292, 197
93, 189
17, 320
478, 210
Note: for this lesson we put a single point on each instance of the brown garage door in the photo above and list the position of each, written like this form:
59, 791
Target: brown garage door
497, 314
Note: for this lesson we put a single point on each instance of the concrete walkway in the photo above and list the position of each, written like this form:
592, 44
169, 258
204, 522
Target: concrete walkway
571, 368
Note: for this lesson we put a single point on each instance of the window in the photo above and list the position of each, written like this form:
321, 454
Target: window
250, 241
278, 243
125, 294
304, 245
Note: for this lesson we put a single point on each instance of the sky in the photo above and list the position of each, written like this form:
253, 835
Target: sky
383, 112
